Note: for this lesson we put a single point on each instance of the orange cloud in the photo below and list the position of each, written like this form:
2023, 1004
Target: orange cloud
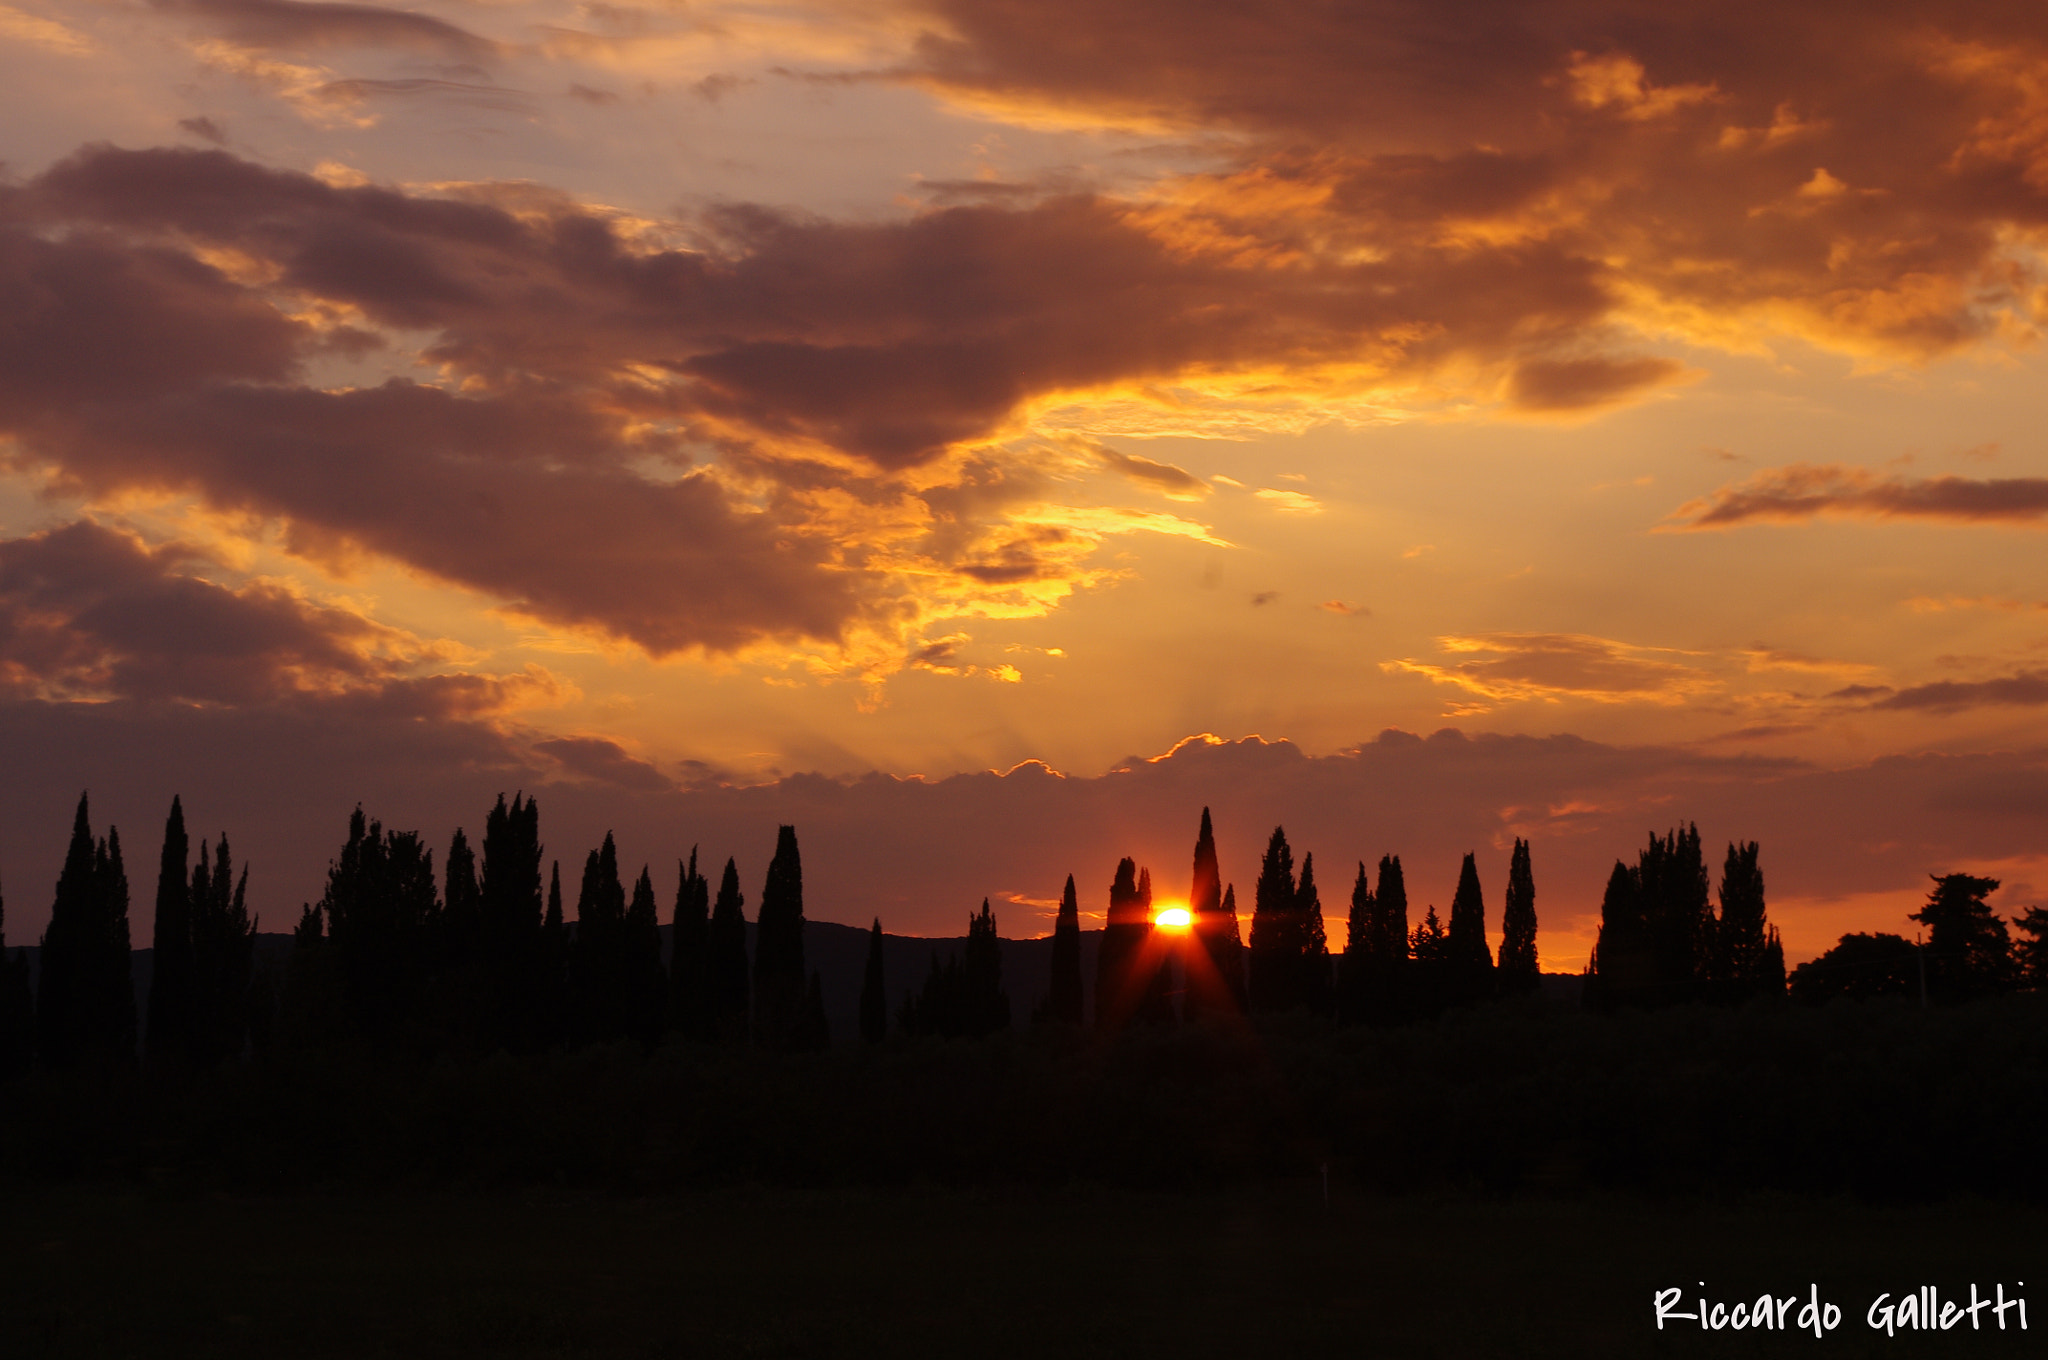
1517, 667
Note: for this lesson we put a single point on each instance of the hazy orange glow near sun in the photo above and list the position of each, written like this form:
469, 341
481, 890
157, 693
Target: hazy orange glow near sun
1173, 918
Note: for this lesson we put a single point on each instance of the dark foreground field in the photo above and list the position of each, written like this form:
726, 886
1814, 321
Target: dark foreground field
1261, 1270
1517, 1180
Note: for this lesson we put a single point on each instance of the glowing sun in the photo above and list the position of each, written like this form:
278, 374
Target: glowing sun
1174, 918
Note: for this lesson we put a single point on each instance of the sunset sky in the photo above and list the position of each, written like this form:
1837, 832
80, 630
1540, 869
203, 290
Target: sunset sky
1421, 426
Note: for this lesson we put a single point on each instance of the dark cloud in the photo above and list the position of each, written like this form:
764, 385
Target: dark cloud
89, 613
604, 761
581, 352
489, 97
206, 129
1175, 482
1807, 491
2023, 688
1577, 384
1850, 182
295, 25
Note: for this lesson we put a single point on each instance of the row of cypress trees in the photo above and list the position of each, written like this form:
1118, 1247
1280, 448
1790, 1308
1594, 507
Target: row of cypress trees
493, 963
396, 961
1386, 972
1662, 943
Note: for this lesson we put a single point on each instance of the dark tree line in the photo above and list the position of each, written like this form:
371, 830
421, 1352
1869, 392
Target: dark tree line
1967, 952
398, 959
399, 962
85, 1000
1662, 943
964, 996
493, 964
1387, 972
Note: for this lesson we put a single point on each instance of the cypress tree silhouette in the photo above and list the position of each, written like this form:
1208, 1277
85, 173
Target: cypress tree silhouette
462, 909
1233, 953
940, 1008
962, 998
728, 963
1392, 982
1063, 1001
1215, 959
379, 910
1621, 969
1519, 970
689, 951
1969, 953
17, 1008
511, 974
550, 1001
779, 946
1120, 985
168, 1036
874, 996
1313, 977
1430, 952
1275, 954
1748, 959
223, 944
1468, 970
1673, 873
646, 981
988, 1005
1156, 961
600, 971
1656, 944
85, 1007
1859, 966
1354, 966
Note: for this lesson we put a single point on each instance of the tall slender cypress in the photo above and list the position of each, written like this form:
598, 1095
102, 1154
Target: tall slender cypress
1314, 967
988, 1005
1355, 969
1519, 971
1391, 942
169, 1033
1748, 961
1214, 960
689, 944
461, 901
85, 1007
779, 946
1063, 1001
510, 972
1276, 933
1468, 962
599, 972
1620, 970
223, 945
874, 996
727, 974
646, 982
1120, 985
549, 1004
